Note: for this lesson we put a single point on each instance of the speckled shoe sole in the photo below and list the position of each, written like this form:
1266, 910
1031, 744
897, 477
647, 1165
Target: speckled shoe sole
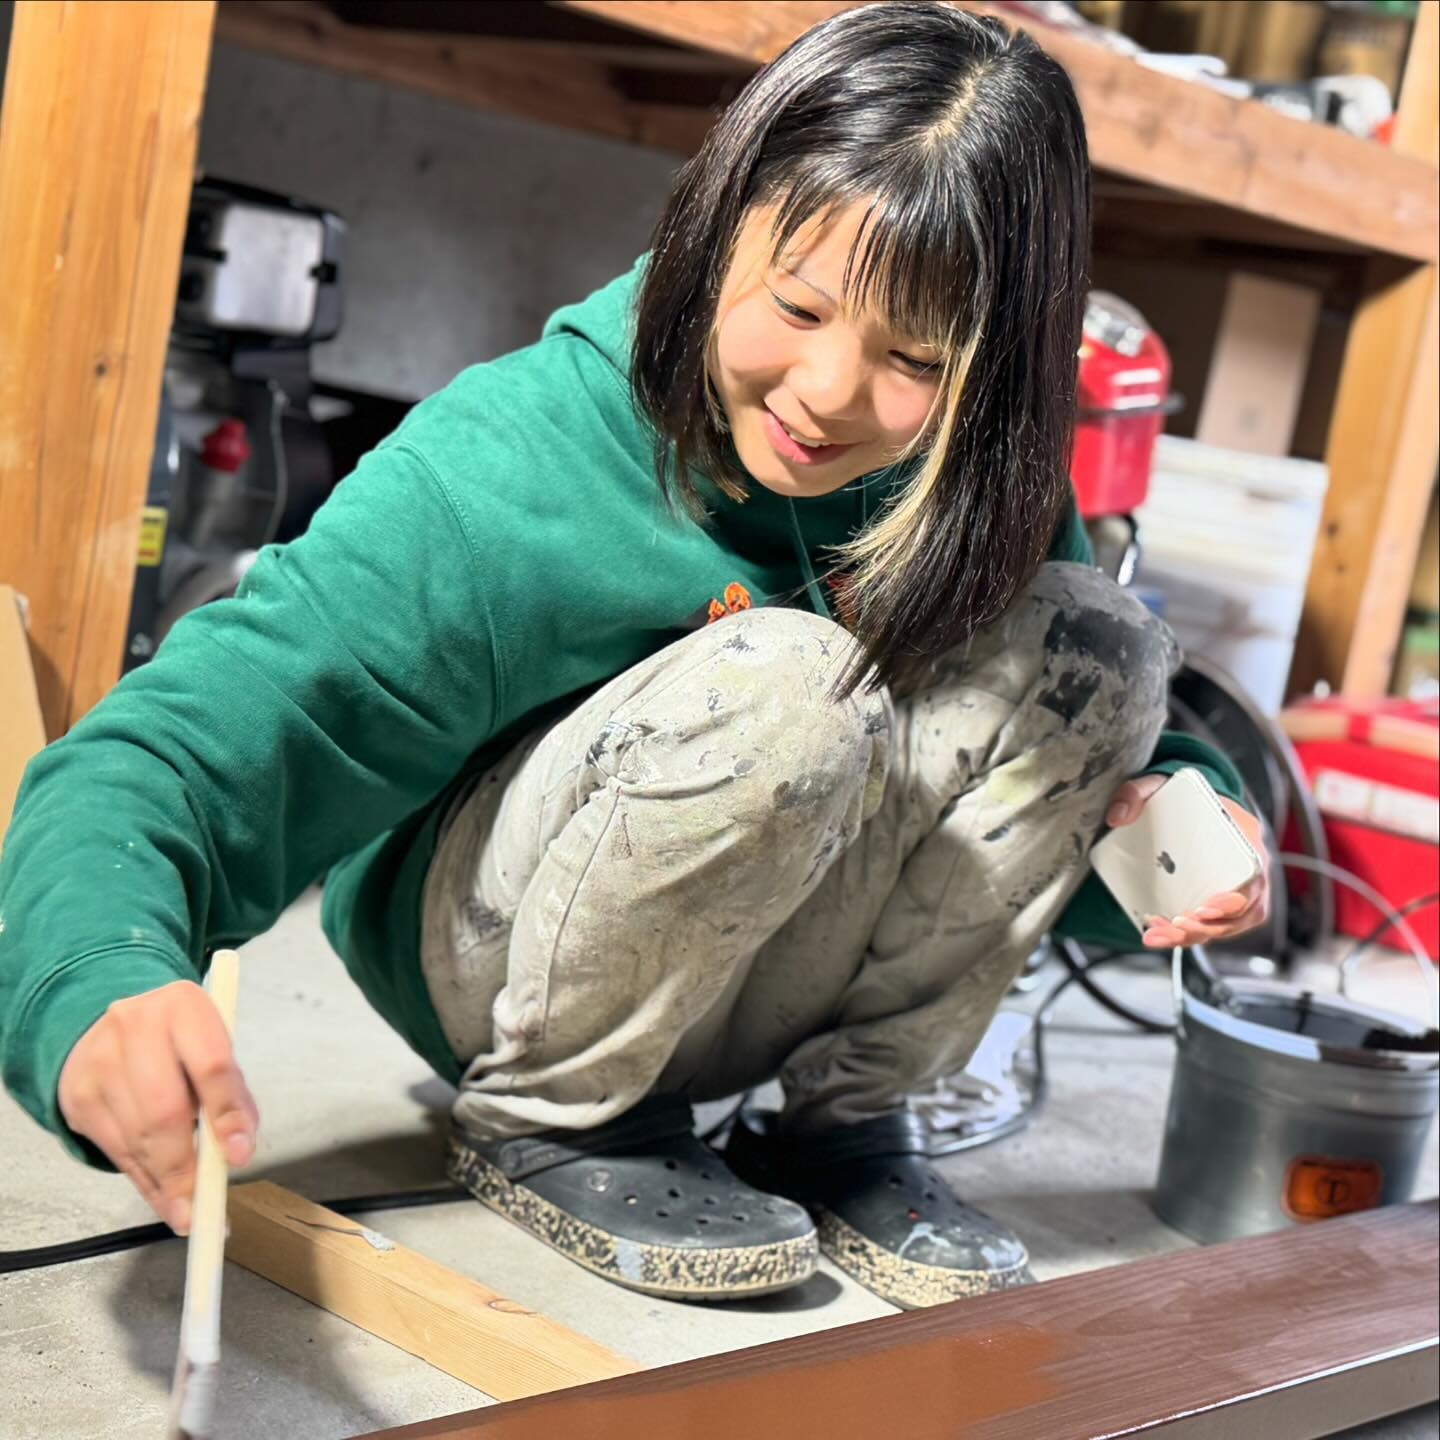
669, 1272
902, 1282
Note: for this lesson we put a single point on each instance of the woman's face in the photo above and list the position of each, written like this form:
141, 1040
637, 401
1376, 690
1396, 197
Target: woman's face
791, 363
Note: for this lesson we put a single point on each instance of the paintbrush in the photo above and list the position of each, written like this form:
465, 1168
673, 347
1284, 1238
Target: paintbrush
197, 1366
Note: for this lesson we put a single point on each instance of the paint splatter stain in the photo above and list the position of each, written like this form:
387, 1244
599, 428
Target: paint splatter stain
1070, 694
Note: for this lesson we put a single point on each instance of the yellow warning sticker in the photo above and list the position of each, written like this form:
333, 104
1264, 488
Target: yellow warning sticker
152, 534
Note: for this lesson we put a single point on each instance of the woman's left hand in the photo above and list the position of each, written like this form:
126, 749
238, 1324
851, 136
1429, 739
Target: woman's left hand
1230, 913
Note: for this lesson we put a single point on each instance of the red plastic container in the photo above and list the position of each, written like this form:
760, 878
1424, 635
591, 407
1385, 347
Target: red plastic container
1123, 396
1374, 768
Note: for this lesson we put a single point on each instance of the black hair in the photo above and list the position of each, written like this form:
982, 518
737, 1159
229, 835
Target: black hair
966, 142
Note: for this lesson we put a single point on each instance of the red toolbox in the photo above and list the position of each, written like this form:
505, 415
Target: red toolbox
1374, 769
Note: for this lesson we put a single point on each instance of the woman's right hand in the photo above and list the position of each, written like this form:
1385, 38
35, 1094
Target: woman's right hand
132, 1083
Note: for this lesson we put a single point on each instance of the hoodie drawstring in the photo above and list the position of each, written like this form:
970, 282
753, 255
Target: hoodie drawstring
812, 585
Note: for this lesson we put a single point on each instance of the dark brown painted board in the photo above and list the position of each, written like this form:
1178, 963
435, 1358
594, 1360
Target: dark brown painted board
1295, 1334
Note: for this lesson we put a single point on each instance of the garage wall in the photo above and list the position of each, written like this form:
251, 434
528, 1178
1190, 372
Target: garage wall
466, 228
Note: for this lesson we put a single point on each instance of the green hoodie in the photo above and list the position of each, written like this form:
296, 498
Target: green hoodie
504, 550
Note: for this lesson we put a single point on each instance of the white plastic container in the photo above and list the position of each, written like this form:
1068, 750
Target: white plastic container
1226, 538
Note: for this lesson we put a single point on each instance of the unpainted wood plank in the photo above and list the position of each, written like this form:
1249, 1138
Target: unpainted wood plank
531, 30
1293, 1334
1186, 137
572, 90
1383, 444
22, 731
1384, 597
97, 151
753, 30
446, 1319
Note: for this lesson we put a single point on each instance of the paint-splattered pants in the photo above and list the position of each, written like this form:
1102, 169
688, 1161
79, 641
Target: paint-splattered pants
711, 872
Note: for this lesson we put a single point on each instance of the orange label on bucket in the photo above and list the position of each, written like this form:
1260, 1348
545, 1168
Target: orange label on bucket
1317, 1187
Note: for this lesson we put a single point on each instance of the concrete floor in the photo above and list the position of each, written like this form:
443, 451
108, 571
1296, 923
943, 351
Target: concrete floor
87, 1350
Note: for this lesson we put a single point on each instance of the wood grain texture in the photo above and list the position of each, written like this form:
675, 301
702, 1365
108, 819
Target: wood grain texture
97, 152
1383, 444
1289, 1335
575, 90
1187, 138
453, 1322
22, 731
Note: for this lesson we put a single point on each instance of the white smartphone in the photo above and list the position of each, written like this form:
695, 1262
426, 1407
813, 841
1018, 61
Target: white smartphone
1184, 849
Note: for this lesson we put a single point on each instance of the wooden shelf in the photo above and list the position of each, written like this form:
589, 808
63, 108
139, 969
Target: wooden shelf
653, 71
1182, 170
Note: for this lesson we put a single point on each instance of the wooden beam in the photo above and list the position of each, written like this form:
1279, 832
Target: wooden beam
22, 730
1295, 1334
97, 153
1383, 445
448, 1320
752, 30
1185, 137
523, 27
577, 93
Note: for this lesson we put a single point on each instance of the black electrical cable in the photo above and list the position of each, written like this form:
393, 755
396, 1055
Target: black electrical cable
1075, 961
1077, 965
1079, 974
135, 1236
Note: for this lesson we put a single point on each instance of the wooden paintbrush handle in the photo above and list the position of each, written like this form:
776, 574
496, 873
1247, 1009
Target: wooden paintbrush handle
200, 1328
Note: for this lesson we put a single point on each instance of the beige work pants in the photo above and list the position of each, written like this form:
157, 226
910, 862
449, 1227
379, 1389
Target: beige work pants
711, 872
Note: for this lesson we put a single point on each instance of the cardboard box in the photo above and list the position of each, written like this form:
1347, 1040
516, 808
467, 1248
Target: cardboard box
1257, 369
1241, 348
22, 731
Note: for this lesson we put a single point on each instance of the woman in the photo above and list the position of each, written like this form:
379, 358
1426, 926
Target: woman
592, 866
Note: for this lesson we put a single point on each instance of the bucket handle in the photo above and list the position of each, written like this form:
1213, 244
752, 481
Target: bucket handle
1201, 961
1396, 918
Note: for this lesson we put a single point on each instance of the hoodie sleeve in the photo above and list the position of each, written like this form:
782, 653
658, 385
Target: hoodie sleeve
270, 736
1093, 915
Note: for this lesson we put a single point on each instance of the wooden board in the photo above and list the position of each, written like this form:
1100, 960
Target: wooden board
453, 1322
97, 149
22, 732
1295, 1334
1383, 445
574, 90
1186, 138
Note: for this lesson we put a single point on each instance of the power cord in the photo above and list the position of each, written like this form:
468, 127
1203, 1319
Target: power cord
1079, 970
113, 1241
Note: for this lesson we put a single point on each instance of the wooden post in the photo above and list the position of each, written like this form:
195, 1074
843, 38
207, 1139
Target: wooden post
97, 154
1383, 445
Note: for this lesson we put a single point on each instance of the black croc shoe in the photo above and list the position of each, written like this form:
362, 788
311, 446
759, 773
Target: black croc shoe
644, 1203
883, 1215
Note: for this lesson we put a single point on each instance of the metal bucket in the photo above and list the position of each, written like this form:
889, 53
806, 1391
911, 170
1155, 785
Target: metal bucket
1288, 1106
